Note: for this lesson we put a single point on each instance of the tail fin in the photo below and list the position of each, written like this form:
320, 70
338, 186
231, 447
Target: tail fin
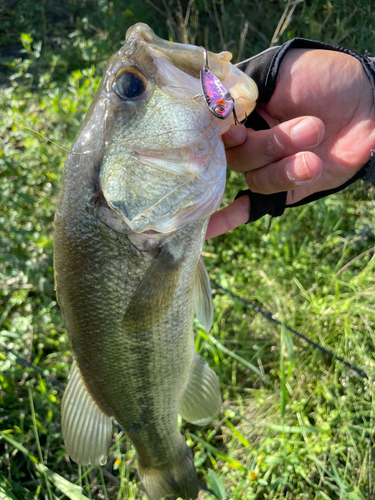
177, 479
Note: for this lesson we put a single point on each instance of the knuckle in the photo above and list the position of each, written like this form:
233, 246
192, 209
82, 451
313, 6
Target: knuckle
224, 221
255, 182
272, 148
267, 180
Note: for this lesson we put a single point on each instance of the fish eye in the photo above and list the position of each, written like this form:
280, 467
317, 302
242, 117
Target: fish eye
129, 84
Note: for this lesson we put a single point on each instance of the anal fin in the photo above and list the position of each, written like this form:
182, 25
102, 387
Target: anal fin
202, 297
86, 429
201, 401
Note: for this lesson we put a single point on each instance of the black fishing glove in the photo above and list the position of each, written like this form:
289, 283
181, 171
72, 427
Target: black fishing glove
264, 68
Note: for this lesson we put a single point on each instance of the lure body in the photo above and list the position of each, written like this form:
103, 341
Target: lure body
217, 96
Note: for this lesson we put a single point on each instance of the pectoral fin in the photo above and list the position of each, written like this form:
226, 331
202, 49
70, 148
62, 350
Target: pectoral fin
86, 429
202, 297
154, 295
201, 401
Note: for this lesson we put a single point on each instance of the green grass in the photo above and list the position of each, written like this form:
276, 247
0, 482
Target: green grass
295, 424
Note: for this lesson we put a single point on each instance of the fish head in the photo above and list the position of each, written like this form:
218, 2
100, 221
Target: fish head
162, 163
190, 59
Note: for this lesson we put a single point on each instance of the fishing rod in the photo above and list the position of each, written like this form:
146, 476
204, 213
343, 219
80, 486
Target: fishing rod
268, 316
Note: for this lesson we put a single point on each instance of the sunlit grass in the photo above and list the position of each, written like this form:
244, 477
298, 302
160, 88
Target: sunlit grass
295, 424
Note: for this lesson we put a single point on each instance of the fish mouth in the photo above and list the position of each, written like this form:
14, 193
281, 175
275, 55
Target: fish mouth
186, 198
145, 241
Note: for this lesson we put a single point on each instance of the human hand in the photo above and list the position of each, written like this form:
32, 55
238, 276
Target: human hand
322, 120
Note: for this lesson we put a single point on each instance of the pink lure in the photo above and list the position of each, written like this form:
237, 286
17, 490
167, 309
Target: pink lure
218, 98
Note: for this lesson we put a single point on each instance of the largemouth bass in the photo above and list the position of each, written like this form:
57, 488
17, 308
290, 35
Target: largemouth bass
146, 171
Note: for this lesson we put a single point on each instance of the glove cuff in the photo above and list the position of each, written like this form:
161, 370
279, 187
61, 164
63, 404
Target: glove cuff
369, 170
265, 73
262, 204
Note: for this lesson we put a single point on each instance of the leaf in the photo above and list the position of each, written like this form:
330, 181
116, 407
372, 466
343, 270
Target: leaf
238, 435
26, 37
294, 429
5, 493
72, 491
17, 445
231, 461
217, 485
354, 496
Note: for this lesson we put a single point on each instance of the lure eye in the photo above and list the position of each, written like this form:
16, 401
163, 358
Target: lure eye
129, 84
220, 108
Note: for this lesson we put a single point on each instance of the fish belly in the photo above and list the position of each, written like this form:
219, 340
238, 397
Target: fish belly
137, 370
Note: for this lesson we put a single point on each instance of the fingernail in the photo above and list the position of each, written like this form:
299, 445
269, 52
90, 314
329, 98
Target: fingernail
306, 133
297, 170
235, 136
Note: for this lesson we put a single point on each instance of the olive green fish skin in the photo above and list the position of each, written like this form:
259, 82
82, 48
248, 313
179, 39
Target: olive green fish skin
138, 186
137, 377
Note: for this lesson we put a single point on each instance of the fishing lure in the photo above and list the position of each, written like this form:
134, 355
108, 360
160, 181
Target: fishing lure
217, 96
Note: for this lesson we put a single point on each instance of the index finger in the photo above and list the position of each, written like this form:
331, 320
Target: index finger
228, 218
264, 147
